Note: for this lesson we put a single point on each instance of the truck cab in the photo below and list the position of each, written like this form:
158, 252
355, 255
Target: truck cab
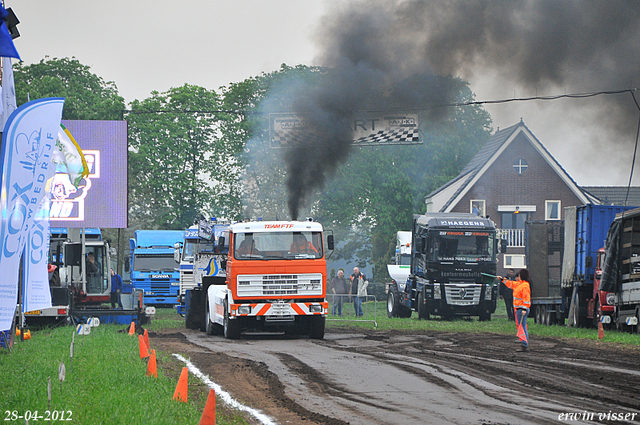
276, 276
450, 254
601, 305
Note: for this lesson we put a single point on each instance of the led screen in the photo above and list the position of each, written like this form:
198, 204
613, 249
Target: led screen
100, 200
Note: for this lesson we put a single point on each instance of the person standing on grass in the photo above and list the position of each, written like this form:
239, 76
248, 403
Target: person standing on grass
116, 290
521, 304
338, 288
359, 285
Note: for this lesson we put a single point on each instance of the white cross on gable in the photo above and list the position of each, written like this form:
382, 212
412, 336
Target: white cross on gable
520, 166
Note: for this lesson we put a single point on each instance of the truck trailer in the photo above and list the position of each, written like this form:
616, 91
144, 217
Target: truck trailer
276, 273
452, 255
563, 258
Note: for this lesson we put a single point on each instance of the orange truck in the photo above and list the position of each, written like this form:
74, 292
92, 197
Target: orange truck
276, 274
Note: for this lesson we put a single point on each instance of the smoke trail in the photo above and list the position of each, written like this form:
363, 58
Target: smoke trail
397, 53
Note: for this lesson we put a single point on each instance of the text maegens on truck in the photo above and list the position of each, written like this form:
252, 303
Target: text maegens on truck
449, 254
276, 275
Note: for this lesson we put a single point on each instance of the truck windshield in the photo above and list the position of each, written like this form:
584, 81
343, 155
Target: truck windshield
154, 263
278, 245
188, 250
461, 246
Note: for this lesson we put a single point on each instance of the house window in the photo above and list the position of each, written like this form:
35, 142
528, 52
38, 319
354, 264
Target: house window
552, 210
514, 261
520, 166
478, 207
513, 220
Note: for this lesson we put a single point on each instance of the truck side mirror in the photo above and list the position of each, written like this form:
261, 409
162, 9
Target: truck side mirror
588, 262
330, 242
503, 246
221, 243
176, 252
419, 245
127, 264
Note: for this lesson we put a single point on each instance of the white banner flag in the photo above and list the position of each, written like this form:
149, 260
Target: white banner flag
36, 293
28, 141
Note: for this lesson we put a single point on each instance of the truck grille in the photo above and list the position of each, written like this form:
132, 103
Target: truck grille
279, 285
463, 294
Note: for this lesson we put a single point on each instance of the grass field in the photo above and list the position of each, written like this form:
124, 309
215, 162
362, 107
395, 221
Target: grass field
498, 324
105, 381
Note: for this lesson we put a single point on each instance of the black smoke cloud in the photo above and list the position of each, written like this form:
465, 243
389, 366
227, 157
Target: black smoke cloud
394, 54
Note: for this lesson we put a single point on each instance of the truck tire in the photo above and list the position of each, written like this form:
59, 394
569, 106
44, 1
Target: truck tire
393, 301
422, 307
316, 328
231, 329
405, 312
578, 319
484, 317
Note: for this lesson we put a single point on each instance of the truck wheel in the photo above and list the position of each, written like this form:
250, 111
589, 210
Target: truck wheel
393, 301
578, 319
422, 307
316, 329
405, 312
484, 317
231, 327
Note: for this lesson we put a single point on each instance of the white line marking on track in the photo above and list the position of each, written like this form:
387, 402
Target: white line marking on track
225, 396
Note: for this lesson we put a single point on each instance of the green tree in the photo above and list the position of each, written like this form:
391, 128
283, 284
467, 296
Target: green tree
265, 171
179, 166
87, 96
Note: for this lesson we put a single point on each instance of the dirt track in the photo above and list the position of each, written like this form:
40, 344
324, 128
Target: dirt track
383, 377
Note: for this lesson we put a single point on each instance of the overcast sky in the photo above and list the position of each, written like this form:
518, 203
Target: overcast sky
145, 45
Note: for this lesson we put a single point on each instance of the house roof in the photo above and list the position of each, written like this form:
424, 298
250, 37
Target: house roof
615, 195
455, 189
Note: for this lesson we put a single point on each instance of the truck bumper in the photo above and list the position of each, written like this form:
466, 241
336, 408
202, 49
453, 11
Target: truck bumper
275, 311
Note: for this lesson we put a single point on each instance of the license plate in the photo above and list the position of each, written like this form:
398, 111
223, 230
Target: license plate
34, 312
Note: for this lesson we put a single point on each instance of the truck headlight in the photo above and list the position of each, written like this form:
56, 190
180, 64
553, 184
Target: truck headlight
315, 308
487, 292
611, 299
244, 309
436, 292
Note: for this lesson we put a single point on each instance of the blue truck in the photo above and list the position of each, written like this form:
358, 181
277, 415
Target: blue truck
153, 266
563, 258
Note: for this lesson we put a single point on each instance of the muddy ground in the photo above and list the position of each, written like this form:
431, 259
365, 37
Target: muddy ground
393, 377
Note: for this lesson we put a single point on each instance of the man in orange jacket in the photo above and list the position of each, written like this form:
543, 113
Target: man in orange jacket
521, 304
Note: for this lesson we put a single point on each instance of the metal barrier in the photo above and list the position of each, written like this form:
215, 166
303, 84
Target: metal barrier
346, 305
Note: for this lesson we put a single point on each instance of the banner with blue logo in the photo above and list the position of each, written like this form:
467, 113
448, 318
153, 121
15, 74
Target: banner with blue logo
28, 141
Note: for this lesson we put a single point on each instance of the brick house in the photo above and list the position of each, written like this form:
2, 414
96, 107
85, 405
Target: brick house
512, 179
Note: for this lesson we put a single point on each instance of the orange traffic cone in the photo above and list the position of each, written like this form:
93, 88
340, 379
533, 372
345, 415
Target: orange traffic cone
152, 367
600, 330
146, 339
183, 385
209, 413
144, 350
132, 328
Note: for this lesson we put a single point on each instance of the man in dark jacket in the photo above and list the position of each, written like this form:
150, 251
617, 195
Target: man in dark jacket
338, 289
507, 295
116, 289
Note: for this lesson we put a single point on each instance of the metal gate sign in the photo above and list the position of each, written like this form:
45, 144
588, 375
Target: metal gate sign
367, 129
